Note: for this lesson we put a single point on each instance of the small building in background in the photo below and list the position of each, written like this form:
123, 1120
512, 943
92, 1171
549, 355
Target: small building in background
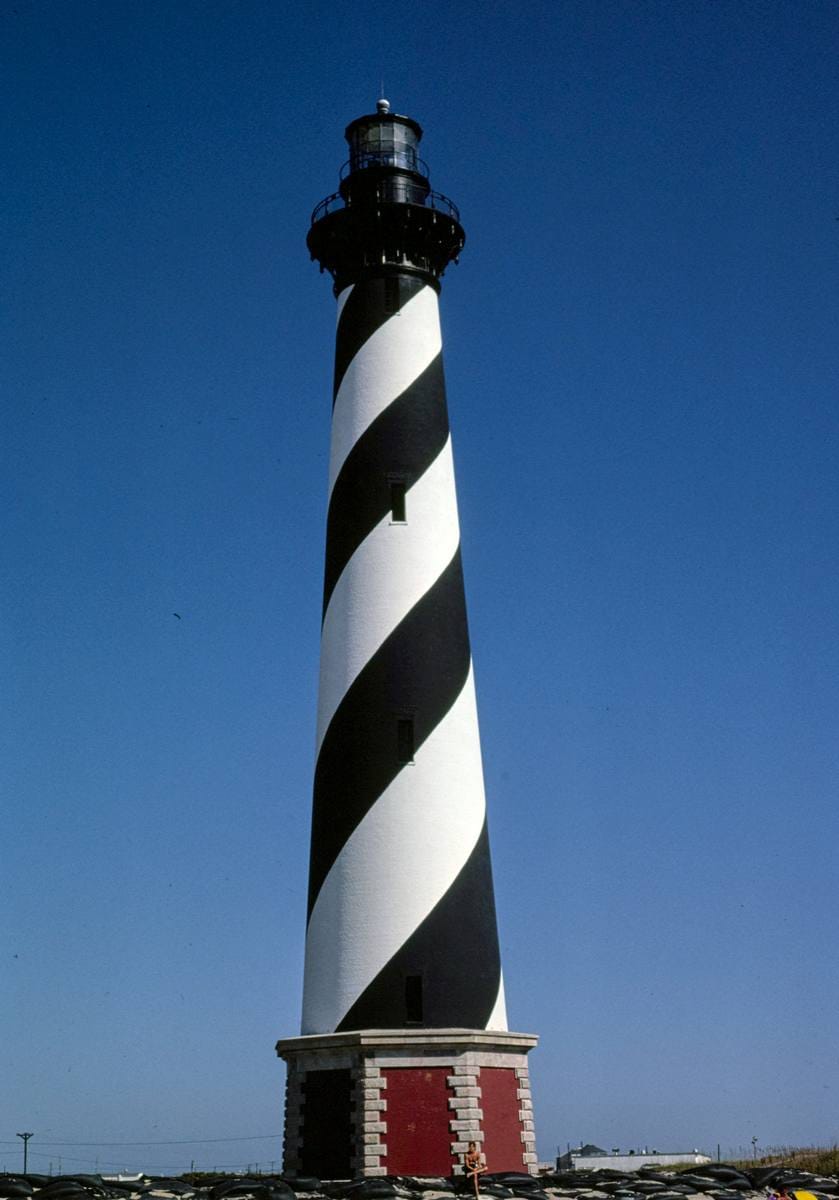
591, 1158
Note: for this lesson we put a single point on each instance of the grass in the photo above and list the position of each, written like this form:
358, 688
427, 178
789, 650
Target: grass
820, 1160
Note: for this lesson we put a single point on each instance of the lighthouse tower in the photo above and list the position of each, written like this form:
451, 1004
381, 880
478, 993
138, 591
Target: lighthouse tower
404, 1054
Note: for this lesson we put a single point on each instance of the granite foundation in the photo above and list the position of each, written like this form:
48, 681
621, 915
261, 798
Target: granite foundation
384, 1102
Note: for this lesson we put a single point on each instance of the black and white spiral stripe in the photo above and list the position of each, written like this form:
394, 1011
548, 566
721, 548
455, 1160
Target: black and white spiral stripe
400, 880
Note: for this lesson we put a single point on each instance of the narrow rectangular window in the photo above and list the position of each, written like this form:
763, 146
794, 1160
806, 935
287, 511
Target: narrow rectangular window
397, 501
413, 999
405, 739
391, 294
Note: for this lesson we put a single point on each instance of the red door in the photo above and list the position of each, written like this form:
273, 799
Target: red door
418, 1137
502, 1145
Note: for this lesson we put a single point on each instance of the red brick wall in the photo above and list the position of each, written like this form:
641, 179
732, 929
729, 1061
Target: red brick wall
418, 1138
502, 1143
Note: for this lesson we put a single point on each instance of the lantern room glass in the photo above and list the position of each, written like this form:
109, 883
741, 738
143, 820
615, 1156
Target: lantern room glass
386, 142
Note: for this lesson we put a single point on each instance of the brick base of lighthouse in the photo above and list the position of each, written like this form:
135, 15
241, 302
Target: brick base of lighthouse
383, 1102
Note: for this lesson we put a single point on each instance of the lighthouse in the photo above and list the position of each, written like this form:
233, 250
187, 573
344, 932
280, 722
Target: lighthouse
404, 1055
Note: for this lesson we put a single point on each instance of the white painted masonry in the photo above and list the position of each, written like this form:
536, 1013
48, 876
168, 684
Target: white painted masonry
383, 368
390, 571
405, 849
412, 844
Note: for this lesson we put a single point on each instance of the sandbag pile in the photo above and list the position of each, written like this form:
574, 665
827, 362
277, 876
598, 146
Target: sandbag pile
710, 1182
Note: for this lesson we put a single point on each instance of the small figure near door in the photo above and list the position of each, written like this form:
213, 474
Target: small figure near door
473, 1163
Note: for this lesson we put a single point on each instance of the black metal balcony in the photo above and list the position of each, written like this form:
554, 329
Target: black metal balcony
435, 200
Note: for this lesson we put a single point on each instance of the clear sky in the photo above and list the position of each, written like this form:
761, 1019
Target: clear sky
642, 363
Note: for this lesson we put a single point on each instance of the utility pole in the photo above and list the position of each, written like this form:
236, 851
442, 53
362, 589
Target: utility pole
26, 1137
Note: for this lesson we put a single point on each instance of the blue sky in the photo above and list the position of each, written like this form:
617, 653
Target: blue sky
642, 365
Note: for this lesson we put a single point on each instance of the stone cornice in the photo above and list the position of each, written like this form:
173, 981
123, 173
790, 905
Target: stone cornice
397, 1039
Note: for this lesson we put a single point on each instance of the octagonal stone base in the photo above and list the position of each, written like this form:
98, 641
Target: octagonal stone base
407, 1102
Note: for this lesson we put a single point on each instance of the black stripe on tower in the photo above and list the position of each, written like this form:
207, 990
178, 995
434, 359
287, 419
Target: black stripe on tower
369, 305
455, 950
404, 441
421, 668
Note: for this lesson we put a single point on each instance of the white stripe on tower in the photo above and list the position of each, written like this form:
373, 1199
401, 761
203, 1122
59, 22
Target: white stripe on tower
400, 878
418, 852
385, 365
382, 581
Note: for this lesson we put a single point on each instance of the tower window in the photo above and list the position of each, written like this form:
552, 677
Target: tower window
397, 501
405, 739
392, 303
413, 999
